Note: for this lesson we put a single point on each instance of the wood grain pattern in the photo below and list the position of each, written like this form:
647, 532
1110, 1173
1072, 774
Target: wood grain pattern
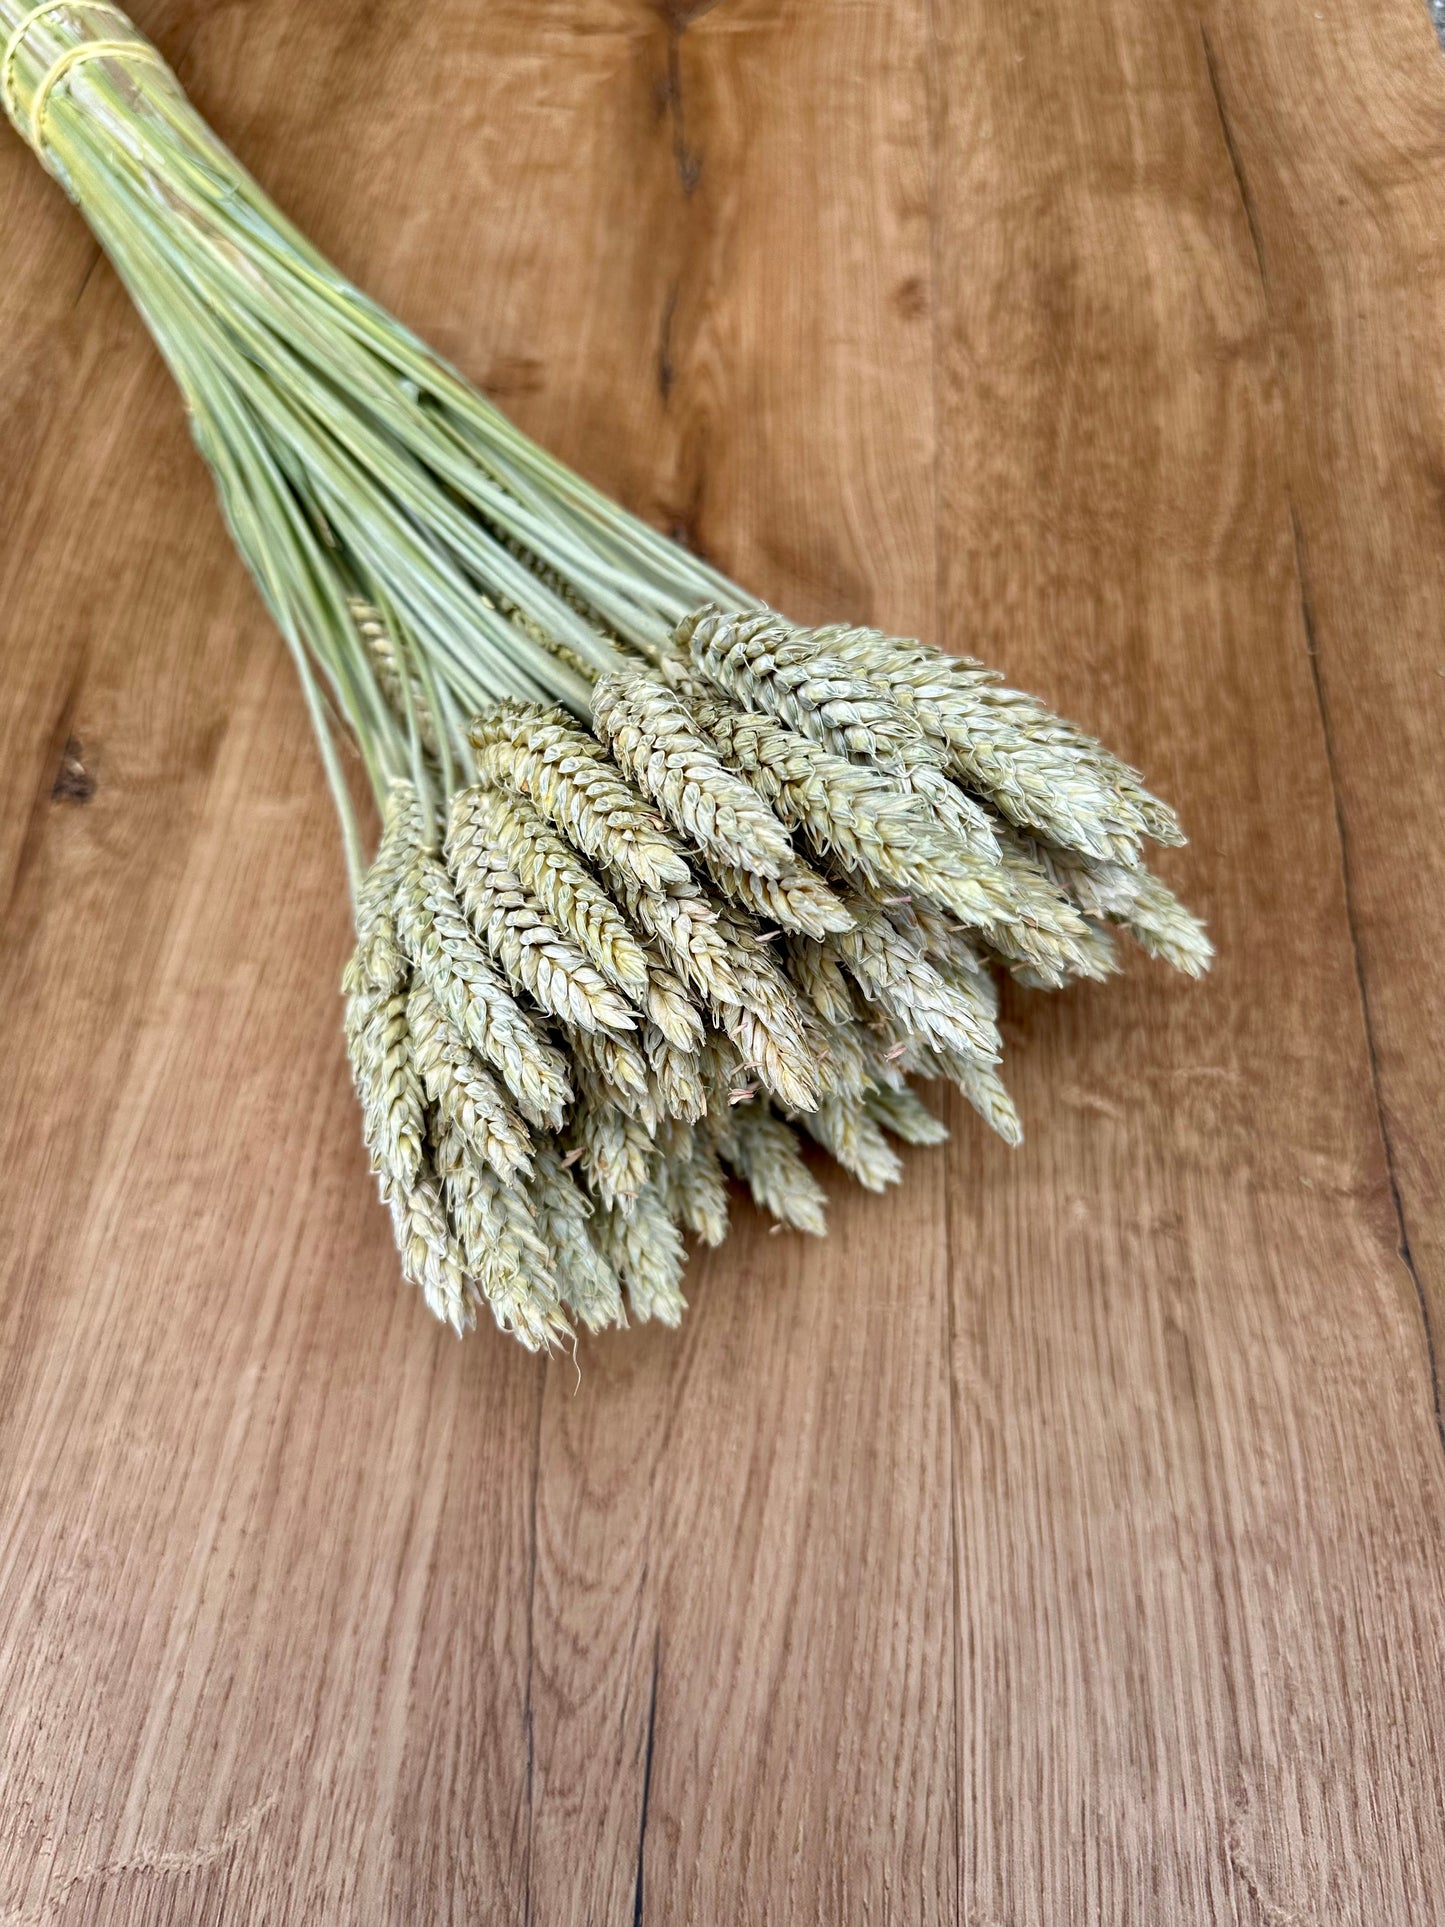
1065, 1538
1198, 1254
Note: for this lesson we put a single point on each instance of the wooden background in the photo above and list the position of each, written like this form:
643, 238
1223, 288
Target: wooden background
1063, 1540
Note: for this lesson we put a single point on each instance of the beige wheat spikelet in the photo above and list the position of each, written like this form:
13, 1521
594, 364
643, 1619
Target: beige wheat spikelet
1094, 957
695, 1190
378, 949
683, 924
967, 976
501, 1247
818, 977
885, 828
678, 1076
655, 742
1042, 930
644, 1249
957, 814
766, 1022
1027, 714
551, 871
619, 1065
668, 1005
980, 1084
1035, 770
1135, 900
465, 1095
616, 1150
536, 957
430, 1256
383, 1068
900, 1110
847, 1129
797, 899
764, 1153
843, 1054
477, 1003
588, 1284
726, 1079
567, 776
963, 821
986, 1092
946, 942
894, 975
767, 664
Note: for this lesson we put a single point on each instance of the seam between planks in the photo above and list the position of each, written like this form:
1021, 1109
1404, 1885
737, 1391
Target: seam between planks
933, 69
527, 1719
1382, 1117
646, 1778
85, 280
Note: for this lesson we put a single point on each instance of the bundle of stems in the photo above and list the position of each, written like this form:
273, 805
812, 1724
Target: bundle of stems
666, 884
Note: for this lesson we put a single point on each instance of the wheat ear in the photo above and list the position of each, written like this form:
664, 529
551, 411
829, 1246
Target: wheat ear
465, 1094
683, 925
900, 1110
615, 1149
477, 1003
378, 949
655, 742
765, 1155
767, 664
884, 828
848, 1131
588, 1284
501, 1246
894, 975
797, 899
765, 1021
431, 1258
1134, 899
644, 1249
695, 1191
1036, 771
550, 869
677, 1074
383, 1068
537, 957
566, 775
401, 698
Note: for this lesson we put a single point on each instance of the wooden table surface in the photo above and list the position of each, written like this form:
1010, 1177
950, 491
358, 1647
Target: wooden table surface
1064, 1539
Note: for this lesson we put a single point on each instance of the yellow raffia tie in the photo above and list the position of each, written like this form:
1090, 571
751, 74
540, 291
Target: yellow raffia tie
135, 49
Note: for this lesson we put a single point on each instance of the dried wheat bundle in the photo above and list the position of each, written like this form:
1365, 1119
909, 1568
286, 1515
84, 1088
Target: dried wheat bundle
666, 884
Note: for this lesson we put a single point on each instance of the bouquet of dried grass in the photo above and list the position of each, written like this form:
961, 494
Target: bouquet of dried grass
666, 883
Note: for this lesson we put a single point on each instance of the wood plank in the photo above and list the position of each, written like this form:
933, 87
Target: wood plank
804, 1766
578, 335
266, 1533
780, 1744
1199, 1485
1334, 121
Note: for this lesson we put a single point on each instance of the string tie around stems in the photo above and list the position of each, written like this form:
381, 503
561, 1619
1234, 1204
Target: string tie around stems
31, 126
